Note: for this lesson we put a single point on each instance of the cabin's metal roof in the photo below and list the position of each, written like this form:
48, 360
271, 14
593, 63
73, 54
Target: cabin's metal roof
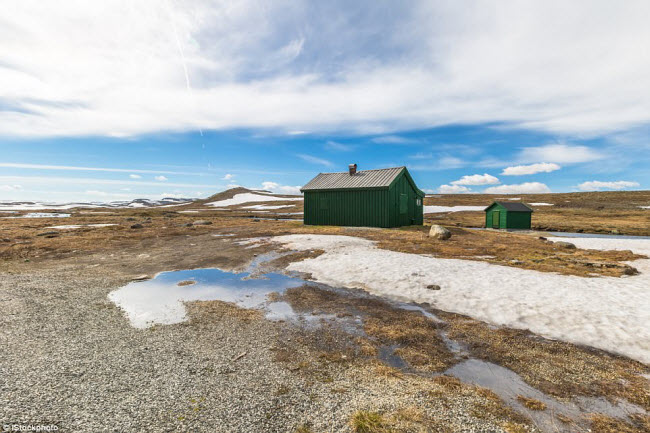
381, 178
512, 206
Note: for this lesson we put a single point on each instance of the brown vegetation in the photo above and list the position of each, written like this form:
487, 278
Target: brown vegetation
589, 212
557, 368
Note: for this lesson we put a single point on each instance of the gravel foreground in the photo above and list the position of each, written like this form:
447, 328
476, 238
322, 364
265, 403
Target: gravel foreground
71, 358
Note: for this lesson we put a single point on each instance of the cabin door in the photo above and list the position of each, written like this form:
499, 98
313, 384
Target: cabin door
496, 216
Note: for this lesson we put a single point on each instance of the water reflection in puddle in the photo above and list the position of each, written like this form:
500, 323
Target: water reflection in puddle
160, 300
509, 385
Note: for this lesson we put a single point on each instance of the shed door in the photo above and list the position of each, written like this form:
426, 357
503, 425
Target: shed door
496, 216
403, 203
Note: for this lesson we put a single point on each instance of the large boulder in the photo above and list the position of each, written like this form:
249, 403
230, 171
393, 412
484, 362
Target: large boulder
439, 232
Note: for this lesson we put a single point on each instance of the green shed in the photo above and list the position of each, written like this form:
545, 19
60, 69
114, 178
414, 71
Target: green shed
500, 215
370, 198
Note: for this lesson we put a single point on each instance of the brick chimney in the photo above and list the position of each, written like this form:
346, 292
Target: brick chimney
352, 168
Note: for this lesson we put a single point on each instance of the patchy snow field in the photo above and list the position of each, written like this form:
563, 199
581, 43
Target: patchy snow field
541, 204
264, 206
441, 209
644, 207
79, 226
607, 313
40, 215
249, 197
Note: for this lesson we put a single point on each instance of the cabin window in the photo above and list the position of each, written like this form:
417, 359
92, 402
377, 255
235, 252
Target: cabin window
418, 202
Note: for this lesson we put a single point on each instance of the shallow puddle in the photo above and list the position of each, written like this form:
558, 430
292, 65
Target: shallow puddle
509, 385
161, 300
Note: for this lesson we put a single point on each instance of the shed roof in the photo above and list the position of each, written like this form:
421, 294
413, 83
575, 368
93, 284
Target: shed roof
381, 178
514, 207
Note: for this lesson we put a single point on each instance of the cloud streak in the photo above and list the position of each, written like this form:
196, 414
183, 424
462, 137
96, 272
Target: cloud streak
522, 188
520, 170
103, 169
314, 160
596, 185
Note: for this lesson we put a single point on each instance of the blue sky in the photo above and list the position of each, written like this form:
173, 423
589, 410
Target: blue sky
112, 100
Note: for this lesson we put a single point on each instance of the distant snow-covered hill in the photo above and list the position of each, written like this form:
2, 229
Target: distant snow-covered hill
137, 203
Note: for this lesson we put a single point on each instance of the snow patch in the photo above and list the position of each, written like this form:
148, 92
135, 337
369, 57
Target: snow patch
606, 312
264, 206
541, 204
41, 215
79, 226
248, 197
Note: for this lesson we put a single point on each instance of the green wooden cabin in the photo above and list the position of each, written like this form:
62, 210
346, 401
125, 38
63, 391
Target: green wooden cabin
370, 198
500, 215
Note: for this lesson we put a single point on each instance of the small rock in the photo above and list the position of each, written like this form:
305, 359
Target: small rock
202, 223
542, 238
48, 234
439, 232
130, 219
516, 262
137, 226
186, 283
5, 240
567, 245
140, 277
187, 225
433, 287
629, 270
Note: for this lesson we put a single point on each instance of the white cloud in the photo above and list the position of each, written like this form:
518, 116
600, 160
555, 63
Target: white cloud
453, 189
314, 160
55, 180
560, 153
596, 185
306, 68
393, 139
10, 187
160, 178
422, 155
339, 147
477, 179
522, 188
78, 168
135, 176
281, 189
519, 170
228, 176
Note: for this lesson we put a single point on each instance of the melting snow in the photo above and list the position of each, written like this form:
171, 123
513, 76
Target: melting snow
541, 204
248, 197
79, 226
263, 206
41, 215
644, 207
441, 209
607, 312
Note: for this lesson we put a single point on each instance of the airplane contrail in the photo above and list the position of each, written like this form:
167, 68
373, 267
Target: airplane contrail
182, 53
